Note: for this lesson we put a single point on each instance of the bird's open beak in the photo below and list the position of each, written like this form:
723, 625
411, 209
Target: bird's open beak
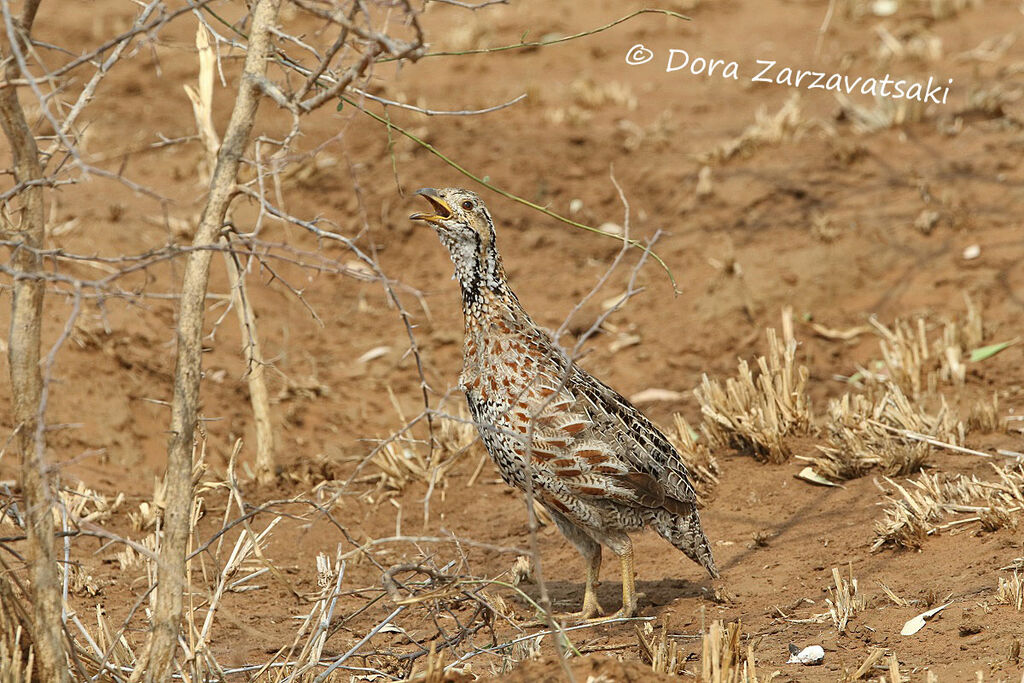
441, 209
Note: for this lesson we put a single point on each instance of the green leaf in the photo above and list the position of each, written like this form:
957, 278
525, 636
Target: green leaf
341, 103
986, 352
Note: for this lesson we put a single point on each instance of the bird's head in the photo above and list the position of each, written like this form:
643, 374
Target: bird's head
465, 227
456, 214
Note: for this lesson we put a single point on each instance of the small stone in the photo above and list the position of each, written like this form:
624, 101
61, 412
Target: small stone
811, 655
884, 8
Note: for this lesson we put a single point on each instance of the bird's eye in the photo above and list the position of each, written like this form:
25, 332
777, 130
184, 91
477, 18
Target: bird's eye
467, 205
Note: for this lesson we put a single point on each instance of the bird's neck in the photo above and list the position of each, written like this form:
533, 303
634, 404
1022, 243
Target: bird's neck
486, 294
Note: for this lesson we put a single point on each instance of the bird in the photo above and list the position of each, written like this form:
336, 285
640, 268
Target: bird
599, 467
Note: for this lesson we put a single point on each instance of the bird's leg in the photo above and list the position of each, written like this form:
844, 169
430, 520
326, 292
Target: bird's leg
590, 549
591, 607
623, 548
628, 580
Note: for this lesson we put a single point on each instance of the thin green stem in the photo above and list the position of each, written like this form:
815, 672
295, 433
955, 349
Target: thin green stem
522, 44
391, 125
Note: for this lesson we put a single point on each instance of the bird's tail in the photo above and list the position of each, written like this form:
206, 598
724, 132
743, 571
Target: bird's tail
684, 532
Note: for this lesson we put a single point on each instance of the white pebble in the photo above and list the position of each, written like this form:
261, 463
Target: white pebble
811, 655
884, 8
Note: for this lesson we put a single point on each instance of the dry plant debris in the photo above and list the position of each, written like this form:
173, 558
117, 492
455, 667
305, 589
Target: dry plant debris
914, 44
17, 659
402, 461
920, 508
919, 365
862, 433
658, 650
886, 113
722, 659
699, 460
786, 124
589, 96
756, 414
844, 600
456, 433
867, 665
889, 427
1011, 591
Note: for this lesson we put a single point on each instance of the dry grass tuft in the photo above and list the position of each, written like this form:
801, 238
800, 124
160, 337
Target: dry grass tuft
657, 650
456, 433
863, 434
400, 464
87, 505
589, 96
886, 113
469, 34
889, 427
983, 416
905, 355
756, 414
909, 44
404, 461
845, 600
593, 94
699, 460
522, 570
1011, 591
919, 365
767, 130
16, 654
919, 508
721, 656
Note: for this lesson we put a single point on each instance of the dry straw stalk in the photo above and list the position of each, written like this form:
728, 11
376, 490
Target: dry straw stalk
756, 413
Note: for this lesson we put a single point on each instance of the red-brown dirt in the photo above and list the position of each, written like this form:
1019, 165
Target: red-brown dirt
828, 220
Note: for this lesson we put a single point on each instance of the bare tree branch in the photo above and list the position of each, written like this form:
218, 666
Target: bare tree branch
255, 369
185, 404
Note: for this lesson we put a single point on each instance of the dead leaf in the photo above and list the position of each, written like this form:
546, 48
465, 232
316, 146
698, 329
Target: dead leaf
808, 474
917, 623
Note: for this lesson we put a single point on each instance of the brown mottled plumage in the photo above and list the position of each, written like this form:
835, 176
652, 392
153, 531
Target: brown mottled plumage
597, 464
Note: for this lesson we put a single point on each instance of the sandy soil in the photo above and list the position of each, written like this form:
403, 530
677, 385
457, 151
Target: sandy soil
839, 223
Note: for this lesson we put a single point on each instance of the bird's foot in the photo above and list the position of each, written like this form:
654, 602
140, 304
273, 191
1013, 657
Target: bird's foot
585, 616
589, 613
624, 613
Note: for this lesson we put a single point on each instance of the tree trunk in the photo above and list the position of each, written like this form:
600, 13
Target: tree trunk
26, 379
185, 402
